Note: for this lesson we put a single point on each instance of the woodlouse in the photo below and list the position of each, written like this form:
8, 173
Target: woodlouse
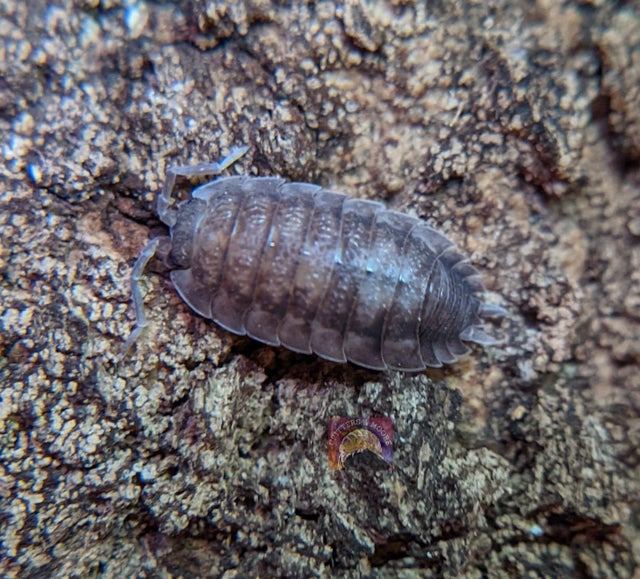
293, 264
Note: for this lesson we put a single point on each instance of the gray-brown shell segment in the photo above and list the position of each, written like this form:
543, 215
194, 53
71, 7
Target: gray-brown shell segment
295, 265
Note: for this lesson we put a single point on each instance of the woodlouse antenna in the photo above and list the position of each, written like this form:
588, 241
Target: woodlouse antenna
138, 269
162, 244
163, 200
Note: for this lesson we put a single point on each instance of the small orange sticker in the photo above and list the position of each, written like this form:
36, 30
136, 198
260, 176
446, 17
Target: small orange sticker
349, 436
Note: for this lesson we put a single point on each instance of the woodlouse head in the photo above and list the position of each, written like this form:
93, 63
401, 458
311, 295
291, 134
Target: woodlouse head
182, 234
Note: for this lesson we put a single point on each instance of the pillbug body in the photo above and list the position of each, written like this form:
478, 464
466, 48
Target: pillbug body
316, 271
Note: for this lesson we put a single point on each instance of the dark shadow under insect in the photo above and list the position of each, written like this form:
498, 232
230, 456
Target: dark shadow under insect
316, 271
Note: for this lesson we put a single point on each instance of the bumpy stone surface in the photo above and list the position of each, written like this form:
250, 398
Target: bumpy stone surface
512, 126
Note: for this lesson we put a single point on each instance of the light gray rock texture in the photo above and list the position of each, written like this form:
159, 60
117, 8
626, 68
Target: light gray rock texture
513, 126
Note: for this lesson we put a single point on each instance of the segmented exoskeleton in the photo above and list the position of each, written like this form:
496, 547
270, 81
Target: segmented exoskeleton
296, 265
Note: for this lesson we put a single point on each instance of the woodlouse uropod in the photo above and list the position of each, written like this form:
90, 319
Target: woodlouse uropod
293, 264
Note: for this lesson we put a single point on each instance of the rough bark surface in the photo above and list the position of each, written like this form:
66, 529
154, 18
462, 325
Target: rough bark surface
513, 126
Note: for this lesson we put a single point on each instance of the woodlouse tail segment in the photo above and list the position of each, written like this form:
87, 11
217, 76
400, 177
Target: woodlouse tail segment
168, 216
492, 311
475, 334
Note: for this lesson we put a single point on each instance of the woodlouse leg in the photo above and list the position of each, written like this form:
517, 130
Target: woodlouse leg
163, 200
138, 269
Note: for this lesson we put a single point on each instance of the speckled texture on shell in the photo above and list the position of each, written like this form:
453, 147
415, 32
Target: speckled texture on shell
295, 265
